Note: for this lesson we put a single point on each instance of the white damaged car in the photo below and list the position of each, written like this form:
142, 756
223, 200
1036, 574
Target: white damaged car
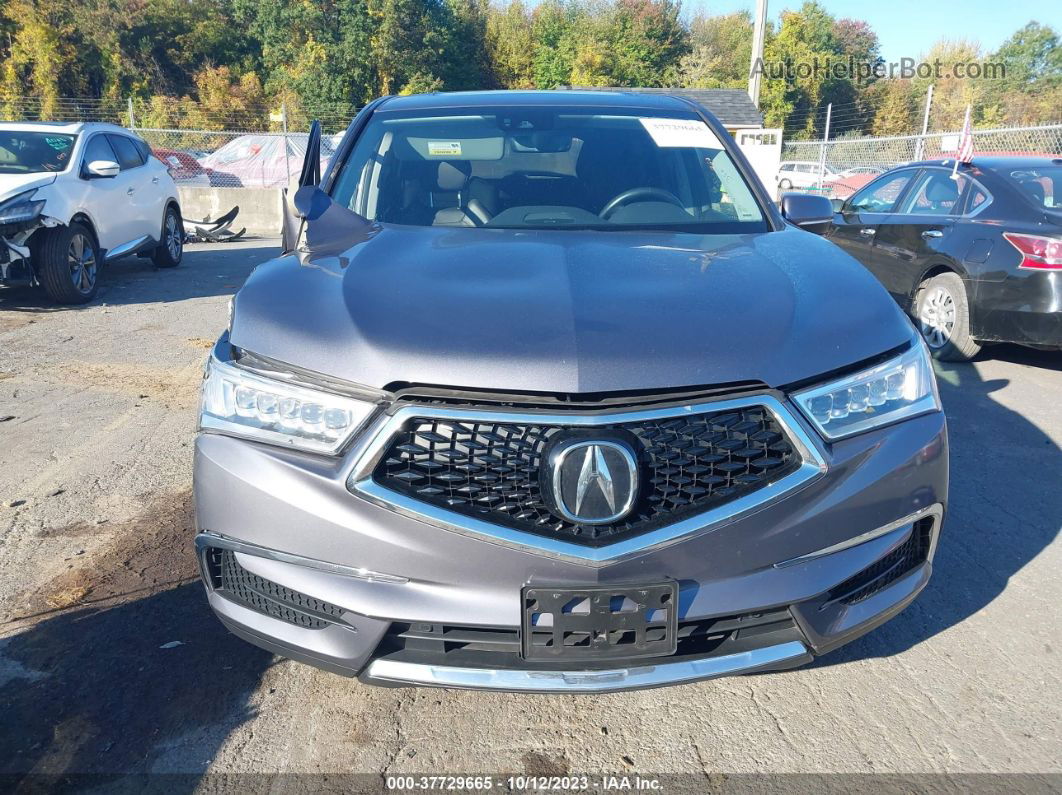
74, 196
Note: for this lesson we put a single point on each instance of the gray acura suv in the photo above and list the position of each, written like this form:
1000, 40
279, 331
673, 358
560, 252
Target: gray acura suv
548, 395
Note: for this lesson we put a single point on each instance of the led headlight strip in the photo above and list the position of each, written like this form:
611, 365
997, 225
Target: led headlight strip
900, 388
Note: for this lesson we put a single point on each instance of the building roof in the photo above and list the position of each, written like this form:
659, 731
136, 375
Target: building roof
732, 106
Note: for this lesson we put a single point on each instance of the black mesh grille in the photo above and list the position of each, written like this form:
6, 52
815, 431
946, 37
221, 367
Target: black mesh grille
236, 583
883, 573
499, 647
492, 470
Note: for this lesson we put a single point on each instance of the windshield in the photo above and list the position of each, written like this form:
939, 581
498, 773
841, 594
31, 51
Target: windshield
32, 152
1042, 185
546, 168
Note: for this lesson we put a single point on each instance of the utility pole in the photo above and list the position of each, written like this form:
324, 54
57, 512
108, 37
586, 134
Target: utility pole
822, 151
759, 24
921, 148
132, 119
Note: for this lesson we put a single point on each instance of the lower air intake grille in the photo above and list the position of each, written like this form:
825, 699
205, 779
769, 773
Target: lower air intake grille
493, 470
911, 554
236, 583
498, 648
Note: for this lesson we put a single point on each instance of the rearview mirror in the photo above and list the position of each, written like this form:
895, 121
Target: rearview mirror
812, 213
102, 169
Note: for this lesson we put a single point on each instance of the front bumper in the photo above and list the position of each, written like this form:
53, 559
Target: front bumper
766, 583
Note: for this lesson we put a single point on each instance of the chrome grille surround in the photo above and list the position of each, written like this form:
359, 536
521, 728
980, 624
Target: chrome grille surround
376, 439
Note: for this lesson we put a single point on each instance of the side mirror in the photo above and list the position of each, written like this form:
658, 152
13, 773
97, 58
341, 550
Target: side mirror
102, 169
310, 202
813, 213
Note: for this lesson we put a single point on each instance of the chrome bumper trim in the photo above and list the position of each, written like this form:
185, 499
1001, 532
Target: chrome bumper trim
936, 510
223, 542
791, 653
378, 436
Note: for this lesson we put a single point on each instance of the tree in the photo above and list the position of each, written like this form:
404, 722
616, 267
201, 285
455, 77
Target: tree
1030, 89
720, 52
553, 37
318, 51
896, 107
43, 54
510, 46
951, 92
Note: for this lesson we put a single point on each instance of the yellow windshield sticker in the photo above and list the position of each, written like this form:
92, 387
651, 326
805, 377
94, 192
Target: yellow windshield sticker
444, 148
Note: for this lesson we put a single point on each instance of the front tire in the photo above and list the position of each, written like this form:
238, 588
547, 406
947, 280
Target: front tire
784, 184
68, 264
943, 315
170, 251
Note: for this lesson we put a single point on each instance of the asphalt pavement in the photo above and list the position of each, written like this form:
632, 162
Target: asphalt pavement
111, 662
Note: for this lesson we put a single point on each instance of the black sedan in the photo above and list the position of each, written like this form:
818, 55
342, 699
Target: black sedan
976, 258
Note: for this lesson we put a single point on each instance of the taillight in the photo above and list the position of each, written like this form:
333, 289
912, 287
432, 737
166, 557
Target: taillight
1042, 253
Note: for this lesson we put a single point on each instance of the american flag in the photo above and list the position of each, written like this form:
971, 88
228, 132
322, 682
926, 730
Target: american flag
964, 153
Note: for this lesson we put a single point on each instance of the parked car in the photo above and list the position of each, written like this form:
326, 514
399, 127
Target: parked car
840, 188
974, 259
872, 171
510, 417
259, 161
183, 167
802, 174
75, 196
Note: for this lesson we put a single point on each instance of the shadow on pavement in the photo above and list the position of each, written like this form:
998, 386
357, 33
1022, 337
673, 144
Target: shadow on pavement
1005, 507
94, 691
207, 270
1018, 354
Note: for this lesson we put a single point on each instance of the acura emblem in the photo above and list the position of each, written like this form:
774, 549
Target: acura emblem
593, 481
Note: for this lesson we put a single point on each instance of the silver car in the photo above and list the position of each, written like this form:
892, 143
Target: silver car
548, 395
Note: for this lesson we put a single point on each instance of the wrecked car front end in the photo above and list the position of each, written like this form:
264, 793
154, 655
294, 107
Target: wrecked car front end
21, 215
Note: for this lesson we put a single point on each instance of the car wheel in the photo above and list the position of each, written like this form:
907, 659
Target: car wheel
68, 264
169, 252
943, 315
784, 184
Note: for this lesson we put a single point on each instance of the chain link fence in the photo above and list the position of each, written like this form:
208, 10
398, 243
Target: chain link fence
840, 167
221, 159
255, 145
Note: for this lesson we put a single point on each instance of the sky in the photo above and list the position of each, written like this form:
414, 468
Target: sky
907, 28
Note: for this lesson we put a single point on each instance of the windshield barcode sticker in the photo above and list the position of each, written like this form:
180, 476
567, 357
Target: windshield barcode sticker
445, 148
688, 133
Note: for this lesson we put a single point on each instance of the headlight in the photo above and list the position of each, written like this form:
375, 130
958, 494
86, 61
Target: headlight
241, 403
898, 389
19, 209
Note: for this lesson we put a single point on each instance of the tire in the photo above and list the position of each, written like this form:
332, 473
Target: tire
170, 251
942, 312
784, 184
68, 264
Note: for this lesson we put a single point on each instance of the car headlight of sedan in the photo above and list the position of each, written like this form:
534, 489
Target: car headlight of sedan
21, 208
898, 389
242, 403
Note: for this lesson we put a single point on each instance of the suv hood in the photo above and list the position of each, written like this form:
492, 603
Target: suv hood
13, 184
568, 312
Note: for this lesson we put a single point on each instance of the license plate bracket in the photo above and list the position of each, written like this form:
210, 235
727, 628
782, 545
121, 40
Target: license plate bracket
600, 622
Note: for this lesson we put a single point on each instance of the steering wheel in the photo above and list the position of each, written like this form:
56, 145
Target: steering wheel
638, 193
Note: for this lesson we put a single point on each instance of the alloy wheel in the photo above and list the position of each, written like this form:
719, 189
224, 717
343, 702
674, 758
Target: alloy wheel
81, 257
174, 241
936, 317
